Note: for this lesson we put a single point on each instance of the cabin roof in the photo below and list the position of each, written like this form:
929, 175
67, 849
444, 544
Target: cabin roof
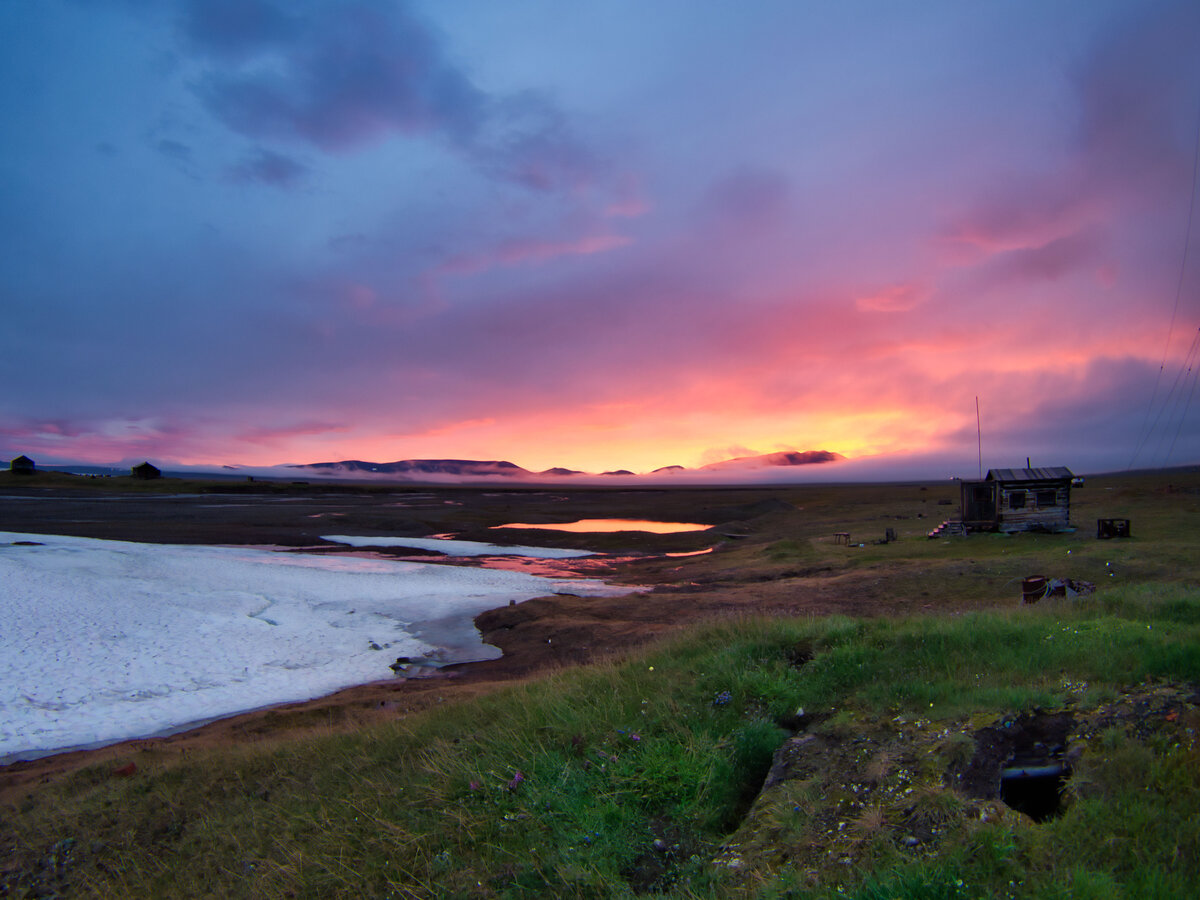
1040, 473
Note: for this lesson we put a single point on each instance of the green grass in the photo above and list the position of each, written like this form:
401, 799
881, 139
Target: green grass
563, 787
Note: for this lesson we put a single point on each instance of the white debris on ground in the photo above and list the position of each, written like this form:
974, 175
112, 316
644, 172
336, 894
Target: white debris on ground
102, 641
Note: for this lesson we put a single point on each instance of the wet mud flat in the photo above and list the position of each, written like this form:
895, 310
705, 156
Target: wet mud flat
296, 515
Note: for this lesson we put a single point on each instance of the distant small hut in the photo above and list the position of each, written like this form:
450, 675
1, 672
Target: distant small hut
1009, 500
145, 471
22, 465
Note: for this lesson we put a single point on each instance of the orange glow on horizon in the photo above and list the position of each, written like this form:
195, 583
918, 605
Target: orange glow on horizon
879, 392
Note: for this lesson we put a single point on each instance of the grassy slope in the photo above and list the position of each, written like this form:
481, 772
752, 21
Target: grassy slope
637, 774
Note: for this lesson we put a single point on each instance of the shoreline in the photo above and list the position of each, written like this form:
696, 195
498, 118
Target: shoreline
349, 707
444, 643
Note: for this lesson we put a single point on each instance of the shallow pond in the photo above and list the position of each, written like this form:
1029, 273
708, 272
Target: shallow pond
597, 526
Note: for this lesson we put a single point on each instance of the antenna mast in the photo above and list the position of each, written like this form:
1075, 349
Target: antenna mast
979, 435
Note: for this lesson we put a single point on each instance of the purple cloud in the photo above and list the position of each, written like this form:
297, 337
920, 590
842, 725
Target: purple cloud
270, 168
1131, 145
343, 75
235, 28
528, 140
174, 150
338, 76
1137, 121
748, 199
1050, 262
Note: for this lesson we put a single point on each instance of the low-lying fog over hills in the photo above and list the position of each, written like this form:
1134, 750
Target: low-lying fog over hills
438, 469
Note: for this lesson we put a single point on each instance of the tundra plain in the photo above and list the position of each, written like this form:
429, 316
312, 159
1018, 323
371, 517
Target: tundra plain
787, 715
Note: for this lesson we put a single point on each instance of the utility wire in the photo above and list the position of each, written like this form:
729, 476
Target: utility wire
1172, 400
1187, 243
1192, 371
1183, 418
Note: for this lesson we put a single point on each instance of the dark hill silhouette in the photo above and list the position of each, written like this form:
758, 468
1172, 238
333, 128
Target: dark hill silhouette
782, 458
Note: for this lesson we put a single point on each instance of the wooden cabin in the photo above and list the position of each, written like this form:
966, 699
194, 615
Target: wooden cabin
145, 471
22, 465
1009, 500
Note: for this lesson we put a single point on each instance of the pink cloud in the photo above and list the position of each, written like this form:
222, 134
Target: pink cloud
628, 200
1025, 215
359, 296
895, 298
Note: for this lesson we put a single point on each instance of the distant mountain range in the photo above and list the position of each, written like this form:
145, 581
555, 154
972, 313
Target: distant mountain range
434, 469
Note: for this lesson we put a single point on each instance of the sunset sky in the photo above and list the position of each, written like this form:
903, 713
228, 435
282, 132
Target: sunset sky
599, 234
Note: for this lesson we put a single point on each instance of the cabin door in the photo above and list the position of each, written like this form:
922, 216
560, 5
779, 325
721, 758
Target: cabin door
980, 502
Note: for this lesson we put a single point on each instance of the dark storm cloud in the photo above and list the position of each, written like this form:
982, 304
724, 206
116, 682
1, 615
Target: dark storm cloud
337, 76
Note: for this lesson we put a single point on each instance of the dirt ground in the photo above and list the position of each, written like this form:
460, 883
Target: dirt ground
667, 592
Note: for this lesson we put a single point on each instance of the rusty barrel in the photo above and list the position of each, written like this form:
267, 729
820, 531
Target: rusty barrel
1033, 588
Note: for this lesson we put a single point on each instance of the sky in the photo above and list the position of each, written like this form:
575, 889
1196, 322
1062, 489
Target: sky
600, 235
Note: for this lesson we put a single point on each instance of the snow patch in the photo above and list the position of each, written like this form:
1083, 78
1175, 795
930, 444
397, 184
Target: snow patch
108, 640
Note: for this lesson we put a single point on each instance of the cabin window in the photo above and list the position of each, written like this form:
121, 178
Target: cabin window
1016, 500
1047, 498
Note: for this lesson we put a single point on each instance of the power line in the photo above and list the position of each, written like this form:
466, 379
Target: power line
1183, 264
1187, 403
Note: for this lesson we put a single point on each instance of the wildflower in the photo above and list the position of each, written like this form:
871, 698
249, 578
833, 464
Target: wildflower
474, 785
722, 698
635, 737
516, 781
